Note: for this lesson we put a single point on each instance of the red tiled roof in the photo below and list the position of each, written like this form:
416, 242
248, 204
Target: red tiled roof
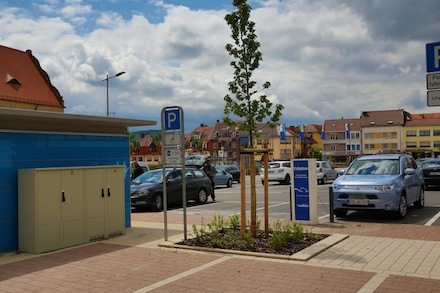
25, 81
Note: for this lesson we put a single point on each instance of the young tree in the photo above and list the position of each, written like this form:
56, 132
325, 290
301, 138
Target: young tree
249, 102
244, 50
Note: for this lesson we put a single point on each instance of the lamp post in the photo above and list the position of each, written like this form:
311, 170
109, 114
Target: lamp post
106, 79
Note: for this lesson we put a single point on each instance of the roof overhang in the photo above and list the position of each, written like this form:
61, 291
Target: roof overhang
28, 120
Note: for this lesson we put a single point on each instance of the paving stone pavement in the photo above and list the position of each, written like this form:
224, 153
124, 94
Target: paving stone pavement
374, 258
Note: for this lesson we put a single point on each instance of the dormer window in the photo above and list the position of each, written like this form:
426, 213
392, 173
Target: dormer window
372, 123
12, 80
390, 121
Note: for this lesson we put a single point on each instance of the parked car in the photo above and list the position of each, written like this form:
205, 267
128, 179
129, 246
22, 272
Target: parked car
325, 171
431, 172
277, 171
146, 190
222, 178
196, 160
233, 170
379, 182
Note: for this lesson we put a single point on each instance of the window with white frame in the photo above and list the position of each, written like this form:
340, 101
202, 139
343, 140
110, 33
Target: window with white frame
369, 135
411, 133
411, 144
425, 144
425, 132
369, 146
334, 136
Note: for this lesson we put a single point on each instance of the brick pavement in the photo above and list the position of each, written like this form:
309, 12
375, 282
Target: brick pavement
375, 258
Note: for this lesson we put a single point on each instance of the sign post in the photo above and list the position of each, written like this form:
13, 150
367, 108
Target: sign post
433, 79
173, 155
305, 191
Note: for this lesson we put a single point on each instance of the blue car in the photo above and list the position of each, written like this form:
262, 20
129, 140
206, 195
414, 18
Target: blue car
222, 177
379, 182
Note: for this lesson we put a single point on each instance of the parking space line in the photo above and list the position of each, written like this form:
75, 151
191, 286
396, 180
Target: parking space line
433, 219
182, 275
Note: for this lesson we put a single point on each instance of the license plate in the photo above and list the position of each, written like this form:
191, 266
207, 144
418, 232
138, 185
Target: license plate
139, 202
358, 202
434, 173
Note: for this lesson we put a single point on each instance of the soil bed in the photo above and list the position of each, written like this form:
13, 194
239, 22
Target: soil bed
260, 243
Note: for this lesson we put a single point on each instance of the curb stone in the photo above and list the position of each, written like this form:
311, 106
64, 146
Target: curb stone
302, 255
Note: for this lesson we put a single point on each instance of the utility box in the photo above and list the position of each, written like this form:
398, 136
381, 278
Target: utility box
63, 207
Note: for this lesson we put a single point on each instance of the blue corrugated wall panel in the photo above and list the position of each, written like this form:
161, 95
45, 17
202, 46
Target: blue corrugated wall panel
42, 150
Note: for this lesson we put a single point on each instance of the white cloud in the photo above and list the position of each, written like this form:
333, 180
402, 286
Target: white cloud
325, 60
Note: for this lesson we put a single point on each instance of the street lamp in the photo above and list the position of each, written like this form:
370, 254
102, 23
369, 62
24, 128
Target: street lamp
106, 79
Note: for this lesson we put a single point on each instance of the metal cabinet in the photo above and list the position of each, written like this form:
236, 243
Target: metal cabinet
62, 207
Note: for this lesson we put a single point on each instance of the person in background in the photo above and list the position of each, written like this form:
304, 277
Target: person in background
137, 170
210, 171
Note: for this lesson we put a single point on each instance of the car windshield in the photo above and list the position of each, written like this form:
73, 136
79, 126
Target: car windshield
195, 161
154, 176
431, 164
374, 167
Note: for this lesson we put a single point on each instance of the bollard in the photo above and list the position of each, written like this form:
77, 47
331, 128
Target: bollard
330, 203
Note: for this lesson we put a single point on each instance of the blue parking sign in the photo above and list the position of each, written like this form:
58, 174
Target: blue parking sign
172, 119
433, 57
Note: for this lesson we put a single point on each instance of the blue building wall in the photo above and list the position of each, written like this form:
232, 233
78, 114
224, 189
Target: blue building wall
40, 150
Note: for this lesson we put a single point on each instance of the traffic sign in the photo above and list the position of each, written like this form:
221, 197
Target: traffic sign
173, 157
434, 98
172, 139
433, 81
172, 119
433, 57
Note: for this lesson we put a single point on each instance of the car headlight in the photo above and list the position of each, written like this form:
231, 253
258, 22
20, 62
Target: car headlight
338, 187
389, 187
141, 192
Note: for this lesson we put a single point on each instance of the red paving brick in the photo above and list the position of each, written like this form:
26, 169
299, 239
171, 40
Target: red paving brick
98, 267
242, 275
397, 284
106, 267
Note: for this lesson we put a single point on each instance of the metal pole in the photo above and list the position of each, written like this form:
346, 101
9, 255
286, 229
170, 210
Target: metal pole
330, 203
108, 112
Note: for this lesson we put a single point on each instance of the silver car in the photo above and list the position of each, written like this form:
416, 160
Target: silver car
325, 171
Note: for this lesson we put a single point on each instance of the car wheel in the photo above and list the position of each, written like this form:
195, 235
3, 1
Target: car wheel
324, 180
202, 197
158, 202
287, 179
340, 213
403, 207
421, 202
238, 180
229, 183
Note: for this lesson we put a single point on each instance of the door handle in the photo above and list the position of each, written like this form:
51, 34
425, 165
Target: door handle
102, 192
108, 191
63, 197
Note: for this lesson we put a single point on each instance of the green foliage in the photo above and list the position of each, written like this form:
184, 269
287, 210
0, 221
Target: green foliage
285, 233
221, 233
249, 102
234, 222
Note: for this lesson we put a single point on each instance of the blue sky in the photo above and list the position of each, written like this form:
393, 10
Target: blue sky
324, 59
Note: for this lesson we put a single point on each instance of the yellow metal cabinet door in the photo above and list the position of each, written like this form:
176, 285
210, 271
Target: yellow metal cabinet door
72, 206
48, 209
95, 198
115, 193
